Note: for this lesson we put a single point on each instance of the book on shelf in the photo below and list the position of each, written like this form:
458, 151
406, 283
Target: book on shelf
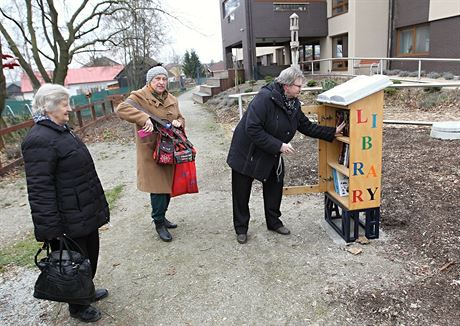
354, 89
340, 183
341, 116
344, 154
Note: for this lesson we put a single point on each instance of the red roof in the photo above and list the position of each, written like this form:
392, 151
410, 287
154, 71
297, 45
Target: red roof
78, 76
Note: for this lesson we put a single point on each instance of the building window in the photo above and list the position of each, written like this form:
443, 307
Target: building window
290, 6
339, 7
229, 8
414, 40
340, 50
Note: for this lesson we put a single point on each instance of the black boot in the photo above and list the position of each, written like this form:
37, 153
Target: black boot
163, 232
169, 224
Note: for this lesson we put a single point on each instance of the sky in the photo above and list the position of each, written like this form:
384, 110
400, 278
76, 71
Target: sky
204, 36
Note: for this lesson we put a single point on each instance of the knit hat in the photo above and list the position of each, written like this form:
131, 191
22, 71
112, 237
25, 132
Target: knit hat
155, 71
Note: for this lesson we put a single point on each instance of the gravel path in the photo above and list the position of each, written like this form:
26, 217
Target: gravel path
203, 277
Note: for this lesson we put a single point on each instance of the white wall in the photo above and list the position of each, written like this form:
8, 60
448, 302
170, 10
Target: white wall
440, 9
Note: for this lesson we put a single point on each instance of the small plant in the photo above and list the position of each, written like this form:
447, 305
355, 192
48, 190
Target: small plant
396, 81
448, 76
252, 82
312, 83
248, 90
108, 134
413, 74
328, 84
404, 73
268, 79
113, 195
390, 72
432, 89
433, 75
390, 91
432, 100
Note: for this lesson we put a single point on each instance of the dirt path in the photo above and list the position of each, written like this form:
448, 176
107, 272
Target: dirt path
204, 277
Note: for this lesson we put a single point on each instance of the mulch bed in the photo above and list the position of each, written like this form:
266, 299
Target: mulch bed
419, 211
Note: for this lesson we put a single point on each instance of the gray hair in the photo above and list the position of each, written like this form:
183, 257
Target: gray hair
48, 98
289, 75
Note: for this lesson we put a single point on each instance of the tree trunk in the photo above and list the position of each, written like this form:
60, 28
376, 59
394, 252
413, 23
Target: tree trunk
3, 95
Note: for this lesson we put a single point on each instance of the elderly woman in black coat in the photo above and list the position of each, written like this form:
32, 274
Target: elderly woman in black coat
260, 139
65, 194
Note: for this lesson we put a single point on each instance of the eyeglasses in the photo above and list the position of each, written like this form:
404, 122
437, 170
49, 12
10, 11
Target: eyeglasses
299, 86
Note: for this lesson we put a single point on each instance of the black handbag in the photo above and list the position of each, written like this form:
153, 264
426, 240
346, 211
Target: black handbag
66, 275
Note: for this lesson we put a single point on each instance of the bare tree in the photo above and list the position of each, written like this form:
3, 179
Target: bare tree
2, 97
53, 39
143, 35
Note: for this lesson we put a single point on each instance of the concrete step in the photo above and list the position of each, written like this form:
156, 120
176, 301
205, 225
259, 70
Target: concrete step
213, 81
210, 90
199, 97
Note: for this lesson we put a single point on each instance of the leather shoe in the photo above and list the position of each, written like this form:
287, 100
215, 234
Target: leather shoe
282, 230
87, 314
100, 294
169, 224
163, 233
241, 238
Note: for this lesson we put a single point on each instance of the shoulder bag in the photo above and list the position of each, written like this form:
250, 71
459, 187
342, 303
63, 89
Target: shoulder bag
172, 146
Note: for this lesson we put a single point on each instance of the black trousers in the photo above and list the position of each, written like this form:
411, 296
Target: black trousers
272, 194
90, 248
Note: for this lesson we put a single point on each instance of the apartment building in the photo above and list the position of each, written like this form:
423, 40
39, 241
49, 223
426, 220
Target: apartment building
341, 28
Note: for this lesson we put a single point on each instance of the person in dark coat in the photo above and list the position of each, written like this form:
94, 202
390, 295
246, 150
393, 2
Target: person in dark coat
260, 139
65, 194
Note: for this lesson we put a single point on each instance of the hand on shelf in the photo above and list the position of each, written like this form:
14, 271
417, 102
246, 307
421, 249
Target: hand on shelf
287, 149
339, 129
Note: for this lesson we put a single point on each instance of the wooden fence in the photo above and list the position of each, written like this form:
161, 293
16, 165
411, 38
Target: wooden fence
81, 124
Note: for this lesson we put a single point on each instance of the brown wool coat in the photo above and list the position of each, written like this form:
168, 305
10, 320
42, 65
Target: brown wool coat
151, 177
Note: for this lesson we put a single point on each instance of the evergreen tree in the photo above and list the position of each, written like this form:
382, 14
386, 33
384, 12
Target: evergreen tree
192, 66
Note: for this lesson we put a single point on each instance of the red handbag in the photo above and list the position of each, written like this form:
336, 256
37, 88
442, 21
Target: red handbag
184, 181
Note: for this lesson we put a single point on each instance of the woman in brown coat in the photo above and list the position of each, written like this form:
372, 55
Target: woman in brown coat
151, 177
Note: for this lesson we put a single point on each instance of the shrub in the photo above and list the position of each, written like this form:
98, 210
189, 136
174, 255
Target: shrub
390, 91
268, 79
252, 82
432, 100
248, 90
448, 76
392, 72
433, 75
396, 81
404, 73
432, 89
413, 74
312, 83
328, 84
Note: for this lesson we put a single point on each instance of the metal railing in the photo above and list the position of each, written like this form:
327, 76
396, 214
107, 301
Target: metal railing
380, 60
312, 89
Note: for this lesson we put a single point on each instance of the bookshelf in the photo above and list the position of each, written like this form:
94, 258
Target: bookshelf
364, 144
361, 101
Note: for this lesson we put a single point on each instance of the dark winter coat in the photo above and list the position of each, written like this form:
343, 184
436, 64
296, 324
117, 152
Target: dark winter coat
65, 193
265, 126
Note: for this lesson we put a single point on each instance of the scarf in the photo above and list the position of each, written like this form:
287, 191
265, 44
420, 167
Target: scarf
290, 104
38, 116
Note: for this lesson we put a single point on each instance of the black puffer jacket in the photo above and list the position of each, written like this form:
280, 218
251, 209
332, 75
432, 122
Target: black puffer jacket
65, 193
265, 126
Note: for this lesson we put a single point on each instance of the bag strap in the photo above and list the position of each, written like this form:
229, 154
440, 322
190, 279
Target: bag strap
43, 247
180, 135
162, 123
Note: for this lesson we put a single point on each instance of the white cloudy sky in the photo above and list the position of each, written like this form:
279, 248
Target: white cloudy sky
205, 36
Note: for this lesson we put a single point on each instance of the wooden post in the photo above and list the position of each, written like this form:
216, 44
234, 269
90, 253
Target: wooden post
93, 111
